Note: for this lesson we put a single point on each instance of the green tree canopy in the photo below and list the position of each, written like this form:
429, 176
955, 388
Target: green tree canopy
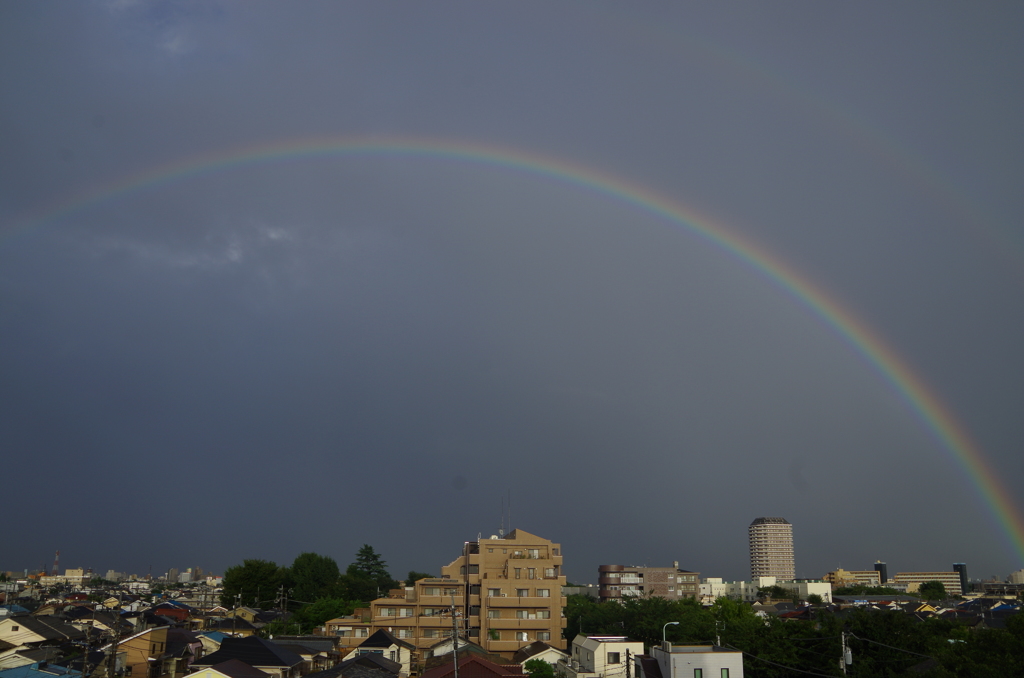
932, 590
256, 581
313, 577
538, 668
415, 576
368, 577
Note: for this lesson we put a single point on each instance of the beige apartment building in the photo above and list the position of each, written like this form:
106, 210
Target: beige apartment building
507, 593
840, 577
913, 581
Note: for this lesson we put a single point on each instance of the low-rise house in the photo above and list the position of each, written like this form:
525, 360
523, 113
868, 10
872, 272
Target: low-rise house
475, 666
384, 643
40, 670
264, 655
542, 651
38, 630
363, 666
232, 668
690, 661
145, 653
600, 657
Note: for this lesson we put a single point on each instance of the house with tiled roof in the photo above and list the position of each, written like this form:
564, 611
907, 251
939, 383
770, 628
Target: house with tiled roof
264, 655
386, 644
232, 668
475, 666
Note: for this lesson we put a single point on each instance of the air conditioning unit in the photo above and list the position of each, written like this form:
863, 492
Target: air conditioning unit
504, 595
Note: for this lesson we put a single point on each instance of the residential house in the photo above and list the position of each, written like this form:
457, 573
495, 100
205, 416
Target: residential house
387, 645
232, 668
542, 651
40, 670
690, 661
145, 653
362, 666
38, 630
264, 655
600, 657
475, 666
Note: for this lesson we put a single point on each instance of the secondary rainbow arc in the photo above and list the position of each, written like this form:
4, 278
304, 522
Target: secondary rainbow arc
927, 406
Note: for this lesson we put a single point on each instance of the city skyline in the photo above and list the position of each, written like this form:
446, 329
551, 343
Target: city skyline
315, 276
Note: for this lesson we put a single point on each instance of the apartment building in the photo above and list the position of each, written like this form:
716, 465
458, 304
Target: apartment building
618, 581
840, 577
771, 548
913, 581
506, 592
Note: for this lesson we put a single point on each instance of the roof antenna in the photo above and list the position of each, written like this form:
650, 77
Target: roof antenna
501, 530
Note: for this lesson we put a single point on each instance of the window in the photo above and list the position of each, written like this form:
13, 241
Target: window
522, 614
15, 628
405, 633
387, 612
725, 673
391, 656
362, 633
554, 551
543, 635
544, 593
431, 591
451, 592
521, 636
613, 658
406, 612
494, 614
543, 614
431, 611
523, 593
493, 593
504, 551
531, 573
519, 571
671, 588
533, 553
549, 572
474, 569
698, 673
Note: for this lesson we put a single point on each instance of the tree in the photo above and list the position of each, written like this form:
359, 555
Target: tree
932, 590
367, 578
253, 580
538, 668
313, 577
815, 599
415, 576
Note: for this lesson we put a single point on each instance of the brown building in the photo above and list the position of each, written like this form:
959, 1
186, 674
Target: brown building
507, 593
840, 577
618, 581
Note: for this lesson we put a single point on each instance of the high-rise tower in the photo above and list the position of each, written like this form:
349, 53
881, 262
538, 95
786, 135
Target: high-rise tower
771, 548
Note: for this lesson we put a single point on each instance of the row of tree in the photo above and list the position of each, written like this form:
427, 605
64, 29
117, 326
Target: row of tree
313, 587
882, 642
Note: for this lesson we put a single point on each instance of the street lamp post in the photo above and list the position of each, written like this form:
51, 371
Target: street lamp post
664, 628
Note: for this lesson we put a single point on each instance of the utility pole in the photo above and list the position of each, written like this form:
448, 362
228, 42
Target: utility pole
847, 657
455, 638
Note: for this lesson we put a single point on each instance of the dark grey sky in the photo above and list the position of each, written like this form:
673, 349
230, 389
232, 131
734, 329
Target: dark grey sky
313, 353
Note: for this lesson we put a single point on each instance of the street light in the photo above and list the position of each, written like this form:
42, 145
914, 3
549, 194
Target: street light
663, 630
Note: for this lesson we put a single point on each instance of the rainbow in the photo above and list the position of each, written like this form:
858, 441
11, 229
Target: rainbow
926, 406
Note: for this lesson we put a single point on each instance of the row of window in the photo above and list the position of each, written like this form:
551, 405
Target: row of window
521, 593
520, 614
526, 553
699, 673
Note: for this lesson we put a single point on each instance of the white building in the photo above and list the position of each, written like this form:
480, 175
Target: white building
1016, 577
690, 661
600, 657
714, 587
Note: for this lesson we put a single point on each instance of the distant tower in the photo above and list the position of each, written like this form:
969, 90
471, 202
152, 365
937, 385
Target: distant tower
56, 564
961, 569
883, 573
771, 548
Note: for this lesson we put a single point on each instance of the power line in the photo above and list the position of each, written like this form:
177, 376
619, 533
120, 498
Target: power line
781, 666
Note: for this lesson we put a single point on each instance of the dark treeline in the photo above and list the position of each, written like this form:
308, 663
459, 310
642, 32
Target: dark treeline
313, 587
883, 643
